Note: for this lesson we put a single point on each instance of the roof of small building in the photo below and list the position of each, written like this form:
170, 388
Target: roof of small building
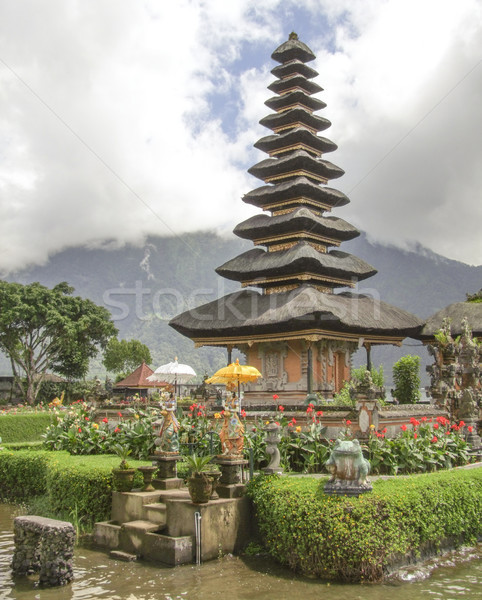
138, 379
456, 313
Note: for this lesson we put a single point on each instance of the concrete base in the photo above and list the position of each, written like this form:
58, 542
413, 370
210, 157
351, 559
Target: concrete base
173, 483
233, 490
159, 526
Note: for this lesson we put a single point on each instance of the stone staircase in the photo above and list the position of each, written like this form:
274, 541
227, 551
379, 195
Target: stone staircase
159, 526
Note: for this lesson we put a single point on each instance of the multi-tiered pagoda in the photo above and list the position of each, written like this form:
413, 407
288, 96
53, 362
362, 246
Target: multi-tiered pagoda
294, 328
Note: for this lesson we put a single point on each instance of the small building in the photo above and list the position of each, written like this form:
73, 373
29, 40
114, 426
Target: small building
137, 382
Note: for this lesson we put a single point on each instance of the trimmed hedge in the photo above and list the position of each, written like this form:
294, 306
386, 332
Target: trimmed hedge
361, 539
75, 486
24, 427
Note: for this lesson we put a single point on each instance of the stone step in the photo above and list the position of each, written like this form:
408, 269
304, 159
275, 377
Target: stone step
140, 525
155, 512
168, 549
133, 533
106, 534
124, 556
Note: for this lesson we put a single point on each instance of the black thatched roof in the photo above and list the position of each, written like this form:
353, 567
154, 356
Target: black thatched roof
456, 313
293, 49
301, 219
296, 117
291, 164
299, 259
297, 81
248, 312
297, 97
294, 67
292, 137
295, 190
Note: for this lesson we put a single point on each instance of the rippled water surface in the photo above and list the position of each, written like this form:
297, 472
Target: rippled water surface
232, 578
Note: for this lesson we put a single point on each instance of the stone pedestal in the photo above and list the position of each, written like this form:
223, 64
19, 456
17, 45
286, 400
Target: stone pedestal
231, 481
167, 478
273, 438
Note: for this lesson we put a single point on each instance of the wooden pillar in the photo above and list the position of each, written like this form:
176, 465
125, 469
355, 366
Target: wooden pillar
309, 373
230, 352
368, 348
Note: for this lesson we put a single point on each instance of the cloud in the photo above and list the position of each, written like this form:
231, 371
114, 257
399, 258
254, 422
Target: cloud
119, 120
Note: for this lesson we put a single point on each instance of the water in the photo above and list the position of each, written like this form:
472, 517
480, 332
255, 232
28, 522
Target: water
231, 578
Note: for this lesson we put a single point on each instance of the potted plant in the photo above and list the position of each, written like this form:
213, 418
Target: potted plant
199, 482
123, 476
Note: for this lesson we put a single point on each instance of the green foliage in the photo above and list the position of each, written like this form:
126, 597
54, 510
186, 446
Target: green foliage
24, 427
79, 485
406, 377
425, 445
123, 356
197, 464
357, 539
45, 329
344, 396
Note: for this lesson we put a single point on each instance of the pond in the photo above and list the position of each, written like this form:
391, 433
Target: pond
233, 578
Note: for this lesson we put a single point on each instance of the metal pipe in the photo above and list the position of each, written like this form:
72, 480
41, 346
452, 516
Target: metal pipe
197, 533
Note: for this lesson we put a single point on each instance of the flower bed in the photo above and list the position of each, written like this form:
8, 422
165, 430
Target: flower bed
360, 539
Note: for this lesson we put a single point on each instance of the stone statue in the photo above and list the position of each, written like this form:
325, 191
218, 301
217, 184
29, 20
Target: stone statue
167, 441
232, 430
348, 468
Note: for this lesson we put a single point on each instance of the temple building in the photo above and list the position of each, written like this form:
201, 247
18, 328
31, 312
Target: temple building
294, 318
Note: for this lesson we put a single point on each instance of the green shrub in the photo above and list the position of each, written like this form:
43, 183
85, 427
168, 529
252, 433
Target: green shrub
24, 446
23, 474
77, 487
24, 427
406, 377
358, 539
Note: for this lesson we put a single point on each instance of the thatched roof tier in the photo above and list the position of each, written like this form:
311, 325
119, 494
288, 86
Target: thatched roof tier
299, 191
296, 82
294, 99
298, 138
295, 117
293, 165
456, 313
304, 312
334, 268
294, 67
302, 223
293, 49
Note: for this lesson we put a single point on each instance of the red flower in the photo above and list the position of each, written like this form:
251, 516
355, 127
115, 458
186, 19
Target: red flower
243, 413
319, 413
281, 408
293, 420
462, 424
348, 422
423, 419
447, 432
290, 424
470, 428
275, 396
189, 414
86, 418
276, 423
435, 425
403, 427
309, 409
80, 430
434, 439
414, 436
116, 430
254, 429
384, 430
120, 414
199, 414
105, 420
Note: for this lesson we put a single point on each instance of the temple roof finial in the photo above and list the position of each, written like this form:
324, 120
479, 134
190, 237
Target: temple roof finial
293, 36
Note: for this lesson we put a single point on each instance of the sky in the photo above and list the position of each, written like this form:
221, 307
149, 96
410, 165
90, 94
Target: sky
121, 119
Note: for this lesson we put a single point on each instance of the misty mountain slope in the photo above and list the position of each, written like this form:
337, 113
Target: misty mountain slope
144, 287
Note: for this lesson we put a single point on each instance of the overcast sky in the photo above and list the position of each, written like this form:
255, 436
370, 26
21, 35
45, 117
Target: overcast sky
121, 118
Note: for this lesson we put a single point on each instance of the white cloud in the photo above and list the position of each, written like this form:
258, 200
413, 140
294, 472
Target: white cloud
166, 103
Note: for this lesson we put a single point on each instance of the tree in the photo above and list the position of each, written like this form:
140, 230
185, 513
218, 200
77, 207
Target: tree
123, 356
406, 377
44, 329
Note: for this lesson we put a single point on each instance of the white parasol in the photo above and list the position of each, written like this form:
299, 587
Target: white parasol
173, 372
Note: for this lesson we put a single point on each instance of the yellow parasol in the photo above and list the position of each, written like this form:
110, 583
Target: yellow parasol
235, 373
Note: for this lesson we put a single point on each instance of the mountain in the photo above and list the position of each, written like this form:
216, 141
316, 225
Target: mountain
145, 286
